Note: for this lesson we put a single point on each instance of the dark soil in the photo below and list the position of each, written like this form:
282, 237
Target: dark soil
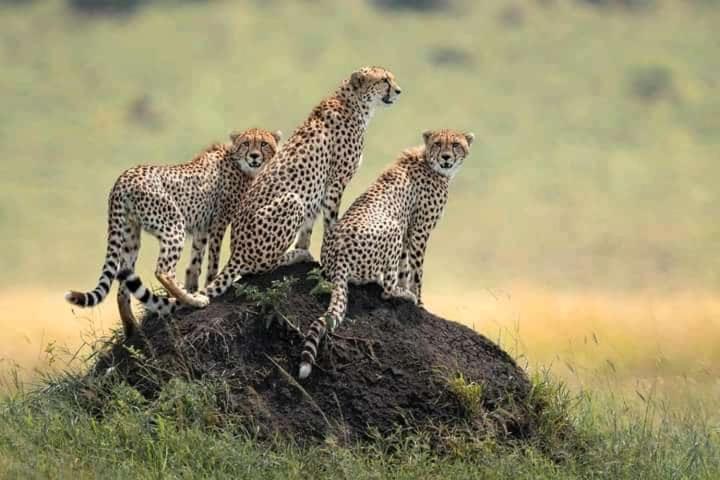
388, 367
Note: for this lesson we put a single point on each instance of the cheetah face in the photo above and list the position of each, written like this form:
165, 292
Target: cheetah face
445, 150
375, 86
253, 148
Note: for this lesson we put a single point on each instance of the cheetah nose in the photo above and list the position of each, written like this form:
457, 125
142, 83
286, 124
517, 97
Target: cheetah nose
398, 90
445, 156
254, 155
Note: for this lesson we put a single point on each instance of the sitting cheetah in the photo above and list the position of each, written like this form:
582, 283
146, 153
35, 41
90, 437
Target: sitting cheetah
199, 197
309, 173
383, 235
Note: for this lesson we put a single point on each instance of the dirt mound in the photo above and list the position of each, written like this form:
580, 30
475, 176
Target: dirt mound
390, 365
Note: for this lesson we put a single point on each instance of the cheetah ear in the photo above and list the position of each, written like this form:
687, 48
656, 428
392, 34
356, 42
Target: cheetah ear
235, 135
356, 79
427, 134
277, 135
469, 138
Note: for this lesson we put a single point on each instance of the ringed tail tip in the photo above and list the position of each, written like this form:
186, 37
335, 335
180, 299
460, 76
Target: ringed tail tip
305, 369
74, 297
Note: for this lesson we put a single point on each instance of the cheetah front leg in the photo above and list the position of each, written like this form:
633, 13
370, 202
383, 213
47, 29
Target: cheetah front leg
129, 257
303, 239
217, 232
330, 208
404, 270
301, 252
416, 257
192, 274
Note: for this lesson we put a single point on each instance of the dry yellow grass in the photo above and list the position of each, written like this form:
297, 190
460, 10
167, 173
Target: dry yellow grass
651, 343
633, 343
37, 324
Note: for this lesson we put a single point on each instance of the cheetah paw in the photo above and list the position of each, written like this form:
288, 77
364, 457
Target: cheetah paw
305, 256
401, 294
198, 300
297, 256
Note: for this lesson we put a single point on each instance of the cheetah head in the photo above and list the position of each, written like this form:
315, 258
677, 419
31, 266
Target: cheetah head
253, 148
375, 86
445, 150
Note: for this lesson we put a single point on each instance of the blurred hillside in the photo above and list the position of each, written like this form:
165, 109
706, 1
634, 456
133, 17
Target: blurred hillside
598, 152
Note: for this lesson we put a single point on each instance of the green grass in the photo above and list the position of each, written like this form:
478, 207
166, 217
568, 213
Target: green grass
48, 432
597, 152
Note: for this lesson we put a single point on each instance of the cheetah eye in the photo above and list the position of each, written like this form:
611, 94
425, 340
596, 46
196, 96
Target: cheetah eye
246, 143
455, 145
438, 144
263, 144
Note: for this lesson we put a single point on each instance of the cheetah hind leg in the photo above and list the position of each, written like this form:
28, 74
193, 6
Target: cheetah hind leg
129, 257
287, 211
171, 243
193, 299
273, 231
129, 322
192, 274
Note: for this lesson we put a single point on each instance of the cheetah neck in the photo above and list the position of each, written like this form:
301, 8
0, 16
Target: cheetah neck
358, 108
231, 168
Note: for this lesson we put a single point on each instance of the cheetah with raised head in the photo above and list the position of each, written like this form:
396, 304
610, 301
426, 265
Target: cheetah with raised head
383, 235
308, 174
199, 198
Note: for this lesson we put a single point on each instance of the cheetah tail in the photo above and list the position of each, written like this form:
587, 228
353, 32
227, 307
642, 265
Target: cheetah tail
112, 261
336, 311
151, 302
312, 343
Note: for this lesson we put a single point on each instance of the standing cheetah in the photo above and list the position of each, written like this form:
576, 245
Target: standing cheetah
199, 198
309, 173
383, 235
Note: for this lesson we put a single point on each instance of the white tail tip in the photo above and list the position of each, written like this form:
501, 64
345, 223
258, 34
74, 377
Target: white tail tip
305, 369
69, 296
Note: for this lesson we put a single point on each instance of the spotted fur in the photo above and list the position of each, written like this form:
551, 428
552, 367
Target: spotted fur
308, 174
383, 235
198, 198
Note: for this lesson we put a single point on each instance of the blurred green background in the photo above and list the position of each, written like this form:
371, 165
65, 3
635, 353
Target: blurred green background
598, 157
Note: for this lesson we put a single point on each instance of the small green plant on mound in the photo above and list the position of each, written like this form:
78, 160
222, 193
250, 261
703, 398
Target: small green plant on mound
470, 394
272, 302
322, 285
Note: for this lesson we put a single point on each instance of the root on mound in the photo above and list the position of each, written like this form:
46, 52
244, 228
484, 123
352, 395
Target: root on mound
390, 365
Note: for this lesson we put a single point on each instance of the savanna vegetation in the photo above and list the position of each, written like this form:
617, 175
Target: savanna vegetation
580, 235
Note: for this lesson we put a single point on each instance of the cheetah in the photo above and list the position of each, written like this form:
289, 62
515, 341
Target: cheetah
199, 198
382, 236
308, 174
